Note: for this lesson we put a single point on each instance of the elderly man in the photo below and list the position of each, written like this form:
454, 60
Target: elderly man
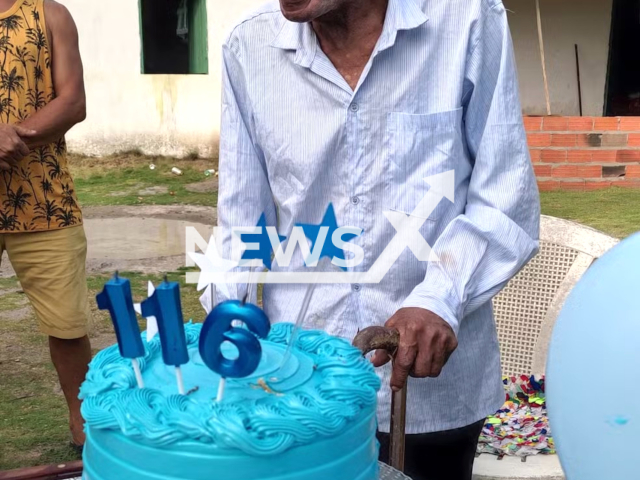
356, 103
41, 97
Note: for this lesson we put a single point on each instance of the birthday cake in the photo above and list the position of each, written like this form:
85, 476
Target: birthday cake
306, 412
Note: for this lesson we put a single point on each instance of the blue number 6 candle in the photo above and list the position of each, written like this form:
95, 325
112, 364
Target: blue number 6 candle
218, 328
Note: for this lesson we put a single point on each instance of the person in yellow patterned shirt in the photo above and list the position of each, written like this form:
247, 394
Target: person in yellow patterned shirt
41, 97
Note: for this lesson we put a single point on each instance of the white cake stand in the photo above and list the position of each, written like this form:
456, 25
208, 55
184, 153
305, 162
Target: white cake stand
388, 473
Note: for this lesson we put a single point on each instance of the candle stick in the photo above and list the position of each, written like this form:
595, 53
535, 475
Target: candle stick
137, 372
302, 313
180, 381
221, 387
165, 305
117, 299
298, 325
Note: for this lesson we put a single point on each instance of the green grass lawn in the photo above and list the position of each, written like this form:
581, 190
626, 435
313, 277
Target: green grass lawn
120, 179
615, 211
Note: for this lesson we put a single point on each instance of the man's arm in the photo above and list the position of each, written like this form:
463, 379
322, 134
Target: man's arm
69, 107
483, 249
244, 192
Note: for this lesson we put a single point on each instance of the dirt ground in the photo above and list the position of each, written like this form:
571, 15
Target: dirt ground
186, 213
192, 213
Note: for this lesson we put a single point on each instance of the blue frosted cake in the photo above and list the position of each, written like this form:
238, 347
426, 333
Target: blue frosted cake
311, 417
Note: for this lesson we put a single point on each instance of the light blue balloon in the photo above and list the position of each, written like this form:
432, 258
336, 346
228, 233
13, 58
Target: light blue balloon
593, 370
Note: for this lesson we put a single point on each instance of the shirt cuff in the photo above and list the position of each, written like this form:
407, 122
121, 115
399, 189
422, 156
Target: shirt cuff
434, 304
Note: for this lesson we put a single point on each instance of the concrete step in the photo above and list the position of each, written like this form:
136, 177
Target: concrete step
538, 467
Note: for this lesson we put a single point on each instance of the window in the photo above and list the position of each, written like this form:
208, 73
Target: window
623, 83
174, 36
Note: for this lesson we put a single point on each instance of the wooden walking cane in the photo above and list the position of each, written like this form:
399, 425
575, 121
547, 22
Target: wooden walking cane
380, 338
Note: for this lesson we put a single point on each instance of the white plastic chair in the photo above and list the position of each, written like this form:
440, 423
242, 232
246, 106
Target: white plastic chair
526, 311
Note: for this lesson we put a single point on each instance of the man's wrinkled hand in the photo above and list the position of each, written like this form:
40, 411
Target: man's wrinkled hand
12, 145
426, 343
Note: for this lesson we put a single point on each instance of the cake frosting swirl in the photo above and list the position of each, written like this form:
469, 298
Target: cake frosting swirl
322, 390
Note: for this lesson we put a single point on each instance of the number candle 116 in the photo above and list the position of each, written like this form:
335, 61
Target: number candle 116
164, 304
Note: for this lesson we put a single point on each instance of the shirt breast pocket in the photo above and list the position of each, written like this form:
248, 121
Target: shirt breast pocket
421, 145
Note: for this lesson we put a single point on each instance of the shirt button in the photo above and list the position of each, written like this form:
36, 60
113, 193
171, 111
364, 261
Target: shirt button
354, 107
355, 200
356, 287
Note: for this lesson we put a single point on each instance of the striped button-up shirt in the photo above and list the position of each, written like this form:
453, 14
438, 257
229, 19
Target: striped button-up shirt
438, 94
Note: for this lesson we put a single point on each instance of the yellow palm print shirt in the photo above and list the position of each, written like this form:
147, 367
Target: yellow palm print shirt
37, 194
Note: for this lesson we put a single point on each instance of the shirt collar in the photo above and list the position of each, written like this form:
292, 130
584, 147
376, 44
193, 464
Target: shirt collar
299, 37
401, 15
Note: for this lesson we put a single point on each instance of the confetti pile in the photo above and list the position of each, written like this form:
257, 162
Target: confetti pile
521, 427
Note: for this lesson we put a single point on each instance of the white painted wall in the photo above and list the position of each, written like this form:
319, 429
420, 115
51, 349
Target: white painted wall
179, 114
564, 23
159, 114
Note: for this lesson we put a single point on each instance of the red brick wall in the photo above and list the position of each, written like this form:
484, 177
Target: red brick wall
584, 153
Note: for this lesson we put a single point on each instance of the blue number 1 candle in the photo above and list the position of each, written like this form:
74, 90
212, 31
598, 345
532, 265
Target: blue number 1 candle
116, 297
165, 305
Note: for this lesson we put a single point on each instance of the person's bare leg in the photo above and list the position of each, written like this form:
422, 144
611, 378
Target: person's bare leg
71, 359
